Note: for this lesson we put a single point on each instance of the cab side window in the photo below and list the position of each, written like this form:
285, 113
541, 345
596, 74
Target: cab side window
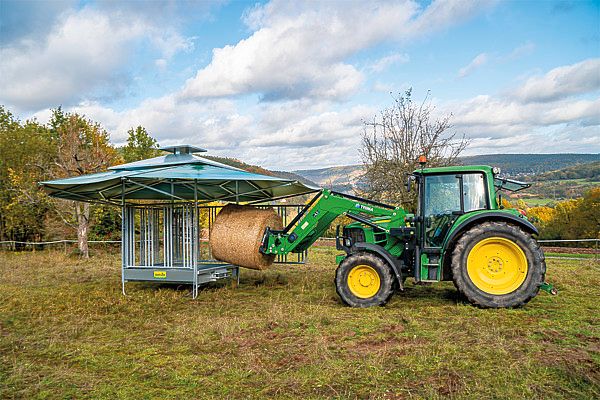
474, 193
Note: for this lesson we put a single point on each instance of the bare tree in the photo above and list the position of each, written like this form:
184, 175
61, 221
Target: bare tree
393, 141
83, 148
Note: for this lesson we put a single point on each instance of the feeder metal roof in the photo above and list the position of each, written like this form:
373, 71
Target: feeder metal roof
177, 176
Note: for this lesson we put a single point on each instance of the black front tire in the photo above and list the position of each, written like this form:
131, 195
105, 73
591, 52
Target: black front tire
386, 280
536, 268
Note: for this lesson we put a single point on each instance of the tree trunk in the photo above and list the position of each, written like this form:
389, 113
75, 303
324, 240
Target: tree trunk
83, 224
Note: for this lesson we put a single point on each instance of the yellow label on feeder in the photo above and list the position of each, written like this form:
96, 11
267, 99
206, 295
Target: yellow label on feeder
160, 274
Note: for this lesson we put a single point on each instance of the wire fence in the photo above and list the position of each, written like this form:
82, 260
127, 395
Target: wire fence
591, 251
592, 245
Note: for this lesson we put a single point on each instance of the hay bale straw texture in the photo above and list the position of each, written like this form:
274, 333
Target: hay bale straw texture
237, 232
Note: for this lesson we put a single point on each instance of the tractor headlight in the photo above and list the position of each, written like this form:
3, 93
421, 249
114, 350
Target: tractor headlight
495, 170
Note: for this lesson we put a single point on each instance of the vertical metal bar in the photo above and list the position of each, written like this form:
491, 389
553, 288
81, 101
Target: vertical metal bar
187, 235
158, 216
169, 226
151, 235
183, 236
165, 236
139, 238
195, 241
148, 248
170, 234
142, 237
123, 237
146, 236
172, 220
189, 229
174, 235
132, 234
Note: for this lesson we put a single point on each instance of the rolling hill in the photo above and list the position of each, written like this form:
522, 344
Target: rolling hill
260, 170
521, 166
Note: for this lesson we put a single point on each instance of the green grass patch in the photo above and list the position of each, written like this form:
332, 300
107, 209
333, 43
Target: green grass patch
67, 332
573, 255
538, 201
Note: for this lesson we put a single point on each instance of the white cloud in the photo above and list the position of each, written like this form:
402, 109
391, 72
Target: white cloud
285, 135
521, 51
300, 49
501, 115
385, 62
561, 82
565, 138
86, 50
478, 61
485, 58
567, 120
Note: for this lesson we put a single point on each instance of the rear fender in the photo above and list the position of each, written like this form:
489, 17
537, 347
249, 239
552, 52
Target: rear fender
476, 219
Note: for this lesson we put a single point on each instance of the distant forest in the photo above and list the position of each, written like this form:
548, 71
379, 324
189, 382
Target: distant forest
589, 172
530, 164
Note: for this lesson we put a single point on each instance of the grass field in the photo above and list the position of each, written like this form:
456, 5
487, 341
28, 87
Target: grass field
67, 332
592, 257
538, 201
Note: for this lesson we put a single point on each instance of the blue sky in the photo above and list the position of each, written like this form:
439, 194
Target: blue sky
287, 84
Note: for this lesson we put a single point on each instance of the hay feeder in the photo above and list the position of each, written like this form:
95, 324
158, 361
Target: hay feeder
162, 199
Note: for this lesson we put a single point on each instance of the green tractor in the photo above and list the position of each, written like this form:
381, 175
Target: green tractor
459, 233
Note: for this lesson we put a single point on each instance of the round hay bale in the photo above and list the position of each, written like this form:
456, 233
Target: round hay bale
237, 232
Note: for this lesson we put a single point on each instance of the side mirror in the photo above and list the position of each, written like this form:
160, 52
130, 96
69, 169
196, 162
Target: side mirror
409, 181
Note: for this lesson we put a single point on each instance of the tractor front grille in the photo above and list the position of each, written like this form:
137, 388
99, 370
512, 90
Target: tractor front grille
356, 235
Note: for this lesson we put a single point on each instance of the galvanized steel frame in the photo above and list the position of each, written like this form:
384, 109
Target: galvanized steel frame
167, 237
141, 250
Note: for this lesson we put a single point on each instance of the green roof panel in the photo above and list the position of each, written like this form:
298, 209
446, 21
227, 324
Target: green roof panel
175, 177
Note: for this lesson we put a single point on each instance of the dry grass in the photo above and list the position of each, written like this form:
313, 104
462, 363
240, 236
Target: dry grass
67, 332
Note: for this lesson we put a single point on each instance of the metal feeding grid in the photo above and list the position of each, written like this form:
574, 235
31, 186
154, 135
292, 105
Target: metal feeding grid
161, 244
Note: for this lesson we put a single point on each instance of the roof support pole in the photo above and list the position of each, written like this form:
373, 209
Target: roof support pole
124, 234
195, 240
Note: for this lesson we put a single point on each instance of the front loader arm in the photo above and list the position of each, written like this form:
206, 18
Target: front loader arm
318, 215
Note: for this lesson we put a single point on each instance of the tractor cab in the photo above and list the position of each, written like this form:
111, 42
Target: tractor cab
445, 195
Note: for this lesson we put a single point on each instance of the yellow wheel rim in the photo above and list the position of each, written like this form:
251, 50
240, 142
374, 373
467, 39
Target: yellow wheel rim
363, 281
497, 265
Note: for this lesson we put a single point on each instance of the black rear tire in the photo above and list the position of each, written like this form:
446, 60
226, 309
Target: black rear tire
384, 273
536, 265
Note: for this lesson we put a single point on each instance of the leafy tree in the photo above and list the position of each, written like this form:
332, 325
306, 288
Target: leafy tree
393, 141
542, 214
106, 223
83, 147
569, 219
27, 152
140, 145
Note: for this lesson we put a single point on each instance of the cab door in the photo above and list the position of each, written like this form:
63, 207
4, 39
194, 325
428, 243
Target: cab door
444, 198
